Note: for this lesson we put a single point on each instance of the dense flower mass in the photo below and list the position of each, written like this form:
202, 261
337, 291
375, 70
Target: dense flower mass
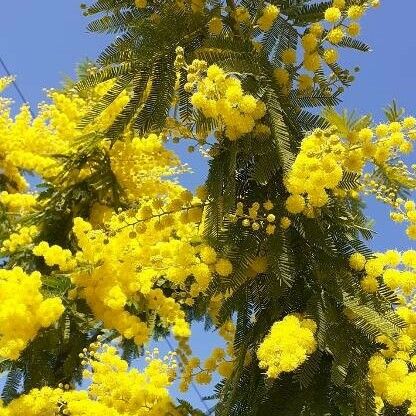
17, 202
23, 310
122, 259
221, 97
125, 265
396, 270
111, 249
287, 346
32, 144
326, 156
114, 390
23, 237
391, 371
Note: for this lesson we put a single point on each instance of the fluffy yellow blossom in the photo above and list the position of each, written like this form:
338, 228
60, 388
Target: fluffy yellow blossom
215, 25
223, 267
335, 36
330, 56
21, 238
23, 310
282, 76
142, 165
357, 261
289, 56
409, 122
392, 380
5, 82
241, 14
18, 202
312, 62
128, 258
369, 284
309, 42
55, 256
114, 390
409, 258
208, 255
305, 82
354, 29
295, 204
221, 97
332, 14
287, 345
411, 231
355, 12
325, 156
316, 29
269, 15
340, 4
33, 142
285, 223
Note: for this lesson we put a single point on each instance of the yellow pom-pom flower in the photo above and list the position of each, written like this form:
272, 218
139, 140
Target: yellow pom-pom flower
332, 14
357, 261
223, 267
140, 4
215, 26
287, 346
355, 12
23, 310
295, 204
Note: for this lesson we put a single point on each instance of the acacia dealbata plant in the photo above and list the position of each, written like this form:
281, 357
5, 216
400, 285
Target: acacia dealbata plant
109, 255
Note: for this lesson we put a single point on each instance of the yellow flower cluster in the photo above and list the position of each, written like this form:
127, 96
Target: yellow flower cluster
23, 310
393, 382
55, 256
32, 144
23, 237
268, 16
141, 166
405, 211
397, 270
221, 360
221, 97
316, 169
5, 82
259, 216
114, 390
124, 262
17, 202
241, 15
324, 156
28, 147
391, 371
287, 345
319, 43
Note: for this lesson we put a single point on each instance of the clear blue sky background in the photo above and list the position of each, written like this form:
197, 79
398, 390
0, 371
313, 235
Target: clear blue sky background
41, 41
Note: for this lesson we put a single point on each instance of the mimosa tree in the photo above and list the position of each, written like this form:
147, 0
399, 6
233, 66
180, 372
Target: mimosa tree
110, 253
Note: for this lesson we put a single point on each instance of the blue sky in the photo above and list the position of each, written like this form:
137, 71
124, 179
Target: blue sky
41, 41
